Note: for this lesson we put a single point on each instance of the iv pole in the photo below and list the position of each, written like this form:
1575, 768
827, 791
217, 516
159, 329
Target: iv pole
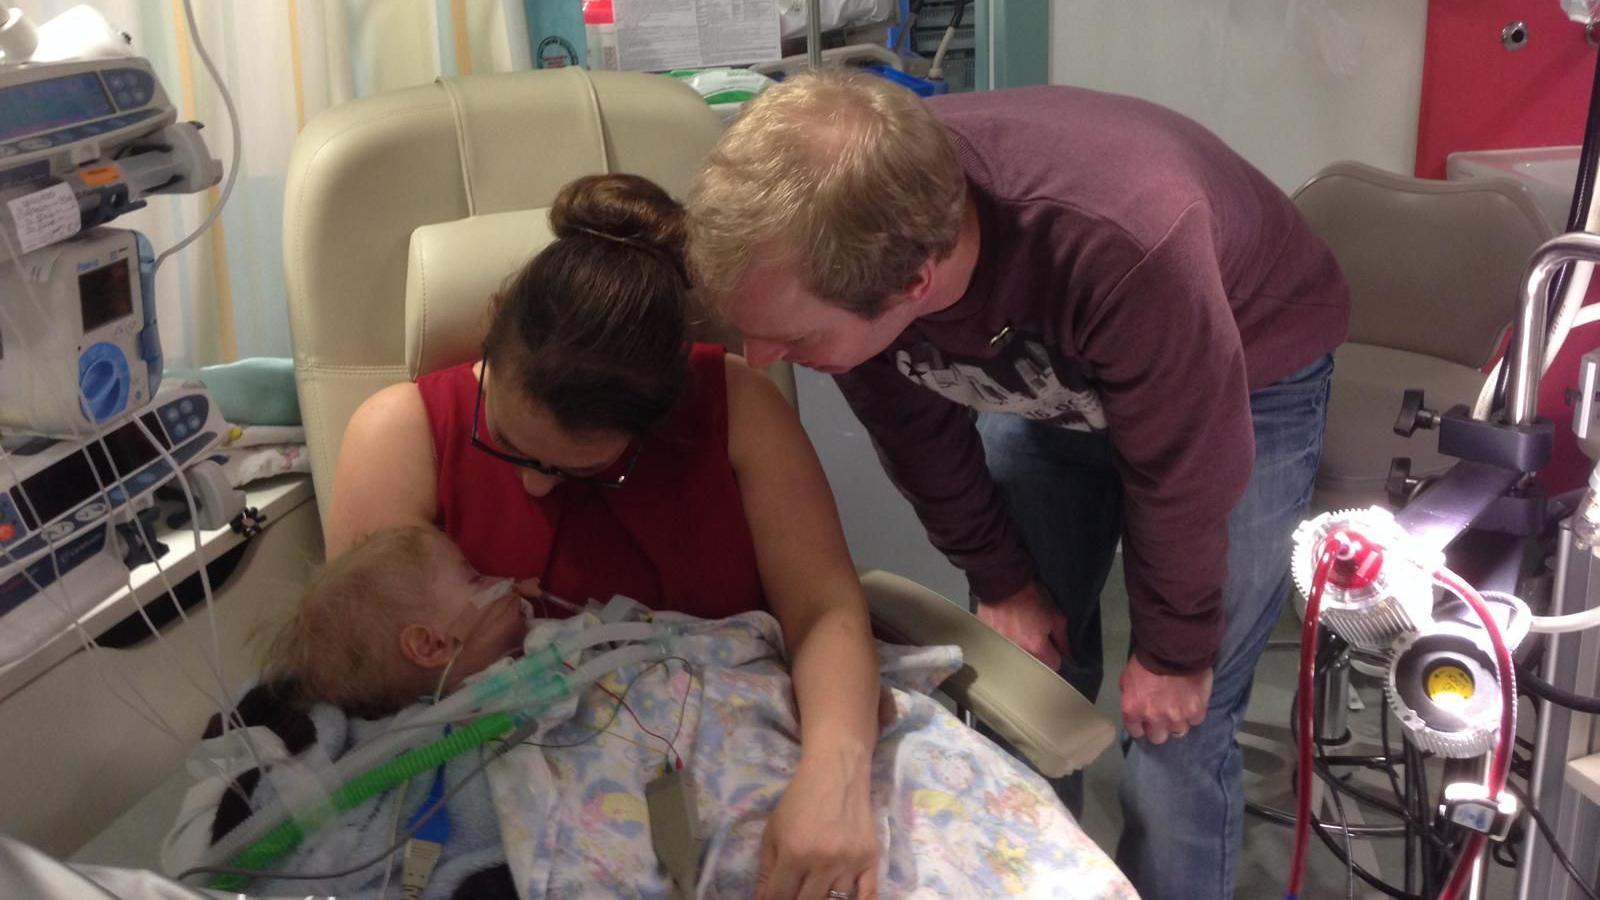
814, 34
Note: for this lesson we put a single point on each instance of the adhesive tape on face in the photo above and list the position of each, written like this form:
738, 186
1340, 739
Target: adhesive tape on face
492, 593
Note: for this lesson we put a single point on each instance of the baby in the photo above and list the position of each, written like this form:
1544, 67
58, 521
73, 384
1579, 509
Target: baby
399, 617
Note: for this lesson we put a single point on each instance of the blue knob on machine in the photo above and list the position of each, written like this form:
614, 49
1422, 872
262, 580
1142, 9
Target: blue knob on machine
103, 378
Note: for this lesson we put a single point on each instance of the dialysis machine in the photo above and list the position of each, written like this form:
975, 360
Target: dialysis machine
87, 430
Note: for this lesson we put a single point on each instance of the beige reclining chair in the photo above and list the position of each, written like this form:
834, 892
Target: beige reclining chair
405, 210
1434, 269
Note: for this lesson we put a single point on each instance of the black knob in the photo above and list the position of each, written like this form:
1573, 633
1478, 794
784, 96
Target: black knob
1414, 415
1400, 484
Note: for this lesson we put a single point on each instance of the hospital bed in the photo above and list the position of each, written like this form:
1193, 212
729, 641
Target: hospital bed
403, 212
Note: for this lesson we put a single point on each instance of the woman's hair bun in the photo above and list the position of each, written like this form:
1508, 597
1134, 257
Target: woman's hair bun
620, 207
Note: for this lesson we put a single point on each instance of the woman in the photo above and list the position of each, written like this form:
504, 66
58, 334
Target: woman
593, 448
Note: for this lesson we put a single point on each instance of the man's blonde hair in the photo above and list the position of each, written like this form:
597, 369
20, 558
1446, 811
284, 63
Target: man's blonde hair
343, 644
847, 176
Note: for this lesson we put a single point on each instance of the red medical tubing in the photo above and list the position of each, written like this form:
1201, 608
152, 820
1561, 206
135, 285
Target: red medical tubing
1308, 663
1500, 762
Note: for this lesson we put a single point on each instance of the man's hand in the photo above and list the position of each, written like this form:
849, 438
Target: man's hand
1031, 621
1160, 706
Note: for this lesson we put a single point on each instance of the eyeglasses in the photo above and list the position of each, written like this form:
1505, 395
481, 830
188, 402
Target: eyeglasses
612, 476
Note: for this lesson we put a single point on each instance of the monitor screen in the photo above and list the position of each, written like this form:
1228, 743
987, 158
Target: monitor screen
55, 490
130, 450
68, 482
39, 106
106, 294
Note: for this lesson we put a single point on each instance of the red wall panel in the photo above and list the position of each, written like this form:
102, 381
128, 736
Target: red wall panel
1477, 95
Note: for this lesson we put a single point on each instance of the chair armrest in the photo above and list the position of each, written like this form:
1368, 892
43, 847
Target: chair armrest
1056, 728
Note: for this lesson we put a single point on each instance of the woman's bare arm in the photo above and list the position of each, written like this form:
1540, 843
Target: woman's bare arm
822, 832
386, 475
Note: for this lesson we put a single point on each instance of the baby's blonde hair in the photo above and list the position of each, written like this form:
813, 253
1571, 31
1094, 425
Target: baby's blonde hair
848, 177
343, 644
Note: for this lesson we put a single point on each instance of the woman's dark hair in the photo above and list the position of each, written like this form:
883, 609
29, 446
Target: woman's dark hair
595, 327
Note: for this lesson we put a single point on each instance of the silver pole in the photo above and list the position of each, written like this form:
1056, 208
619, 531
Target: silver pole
1527, 347
814, 34
1333, 699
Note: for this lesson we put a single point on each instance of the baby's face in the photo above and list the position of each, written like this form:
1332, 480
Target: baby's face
486, 630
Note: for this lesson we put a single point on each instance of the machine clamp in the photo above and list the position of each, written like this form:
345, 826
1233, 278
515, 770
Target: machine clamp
1467, 803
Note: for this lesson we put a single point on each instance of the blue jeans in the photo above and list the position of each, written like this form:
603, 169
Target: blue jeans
1182, 801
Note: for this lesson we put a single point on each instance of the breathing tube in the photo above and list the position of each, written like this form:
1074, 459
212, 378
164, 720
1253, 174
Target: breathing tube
517, 694
283, 839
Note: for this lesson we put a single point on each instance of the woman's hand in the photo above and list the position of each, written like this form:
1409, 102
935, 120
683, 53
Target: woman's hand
821, 837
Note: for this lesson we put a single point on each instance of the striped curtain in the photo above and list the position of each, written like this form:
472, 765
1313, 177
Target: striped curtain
283, 61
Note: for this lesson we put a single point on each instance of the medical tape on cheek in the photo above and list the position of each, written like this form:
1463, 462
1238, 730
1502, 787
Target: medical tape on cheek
492, 593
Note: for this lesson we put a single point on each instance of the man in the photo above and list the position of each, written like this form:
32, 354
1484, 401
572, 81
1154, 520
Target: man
1066, 318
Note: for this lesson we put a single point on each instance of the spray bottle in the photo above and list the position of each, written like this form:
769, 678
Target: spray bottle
600, 27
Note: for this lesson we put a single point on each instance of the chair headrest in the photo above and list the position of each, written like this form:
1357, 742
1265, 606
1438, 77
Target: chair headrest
453, 270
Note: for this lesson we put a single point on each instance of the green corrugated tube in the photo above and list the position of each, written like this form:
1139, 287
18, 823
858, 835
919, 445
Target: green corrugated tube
281, 840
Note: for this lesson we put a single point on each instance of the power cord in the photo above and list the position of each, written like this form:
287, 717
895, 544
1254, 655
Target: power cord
1549, 835
1531, 684
1325, 831
1344, 827
1556, 846
237, 151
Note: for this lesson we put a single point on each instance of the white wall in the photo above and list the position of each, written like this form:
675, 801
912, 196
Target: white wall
1291, 84
882, 530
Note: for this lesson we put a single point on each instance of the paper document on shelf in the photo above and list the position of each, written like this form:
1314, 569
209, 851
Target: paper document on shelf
655, 35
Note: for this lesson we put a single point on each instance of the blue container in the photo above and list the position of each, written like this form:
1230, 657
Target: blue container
922, 87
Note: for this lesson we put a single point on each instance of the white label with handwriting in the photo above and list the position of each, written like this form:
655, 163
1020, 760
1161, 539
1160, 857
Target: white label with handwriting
44, 217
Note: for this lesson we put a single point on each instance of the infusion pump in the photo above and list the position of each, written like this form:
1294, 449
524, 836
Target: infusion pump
82, 142
91, 332
65, 509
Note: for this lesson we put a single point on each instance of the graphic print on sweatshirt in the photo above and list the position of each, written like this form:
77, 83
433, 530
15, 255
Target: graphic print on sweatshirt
1026, 379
